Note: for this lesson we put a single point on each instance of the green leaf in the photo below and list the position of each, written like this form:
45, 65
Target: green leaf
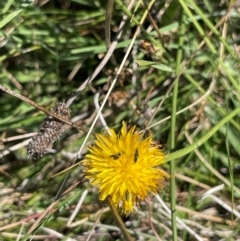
9, 17
155, 65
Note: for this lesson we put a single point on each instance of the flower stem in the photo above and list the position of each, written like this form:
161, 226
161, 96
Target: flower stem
118, 220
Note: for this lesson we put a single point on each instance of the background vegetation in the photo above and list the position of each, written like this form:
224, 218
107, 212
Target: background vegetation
185, 57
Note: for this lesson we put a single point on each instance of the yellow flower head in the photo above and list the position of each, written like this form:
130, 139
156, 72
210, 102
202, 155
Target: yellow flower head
125, 167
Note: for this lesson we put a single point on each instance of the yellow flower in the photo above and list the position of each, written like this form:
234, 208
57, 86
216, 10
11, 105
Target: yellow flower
125, 167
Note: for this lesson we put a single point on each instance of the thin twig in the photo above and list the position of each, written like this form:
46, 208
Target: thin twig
97, 107
48, 112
